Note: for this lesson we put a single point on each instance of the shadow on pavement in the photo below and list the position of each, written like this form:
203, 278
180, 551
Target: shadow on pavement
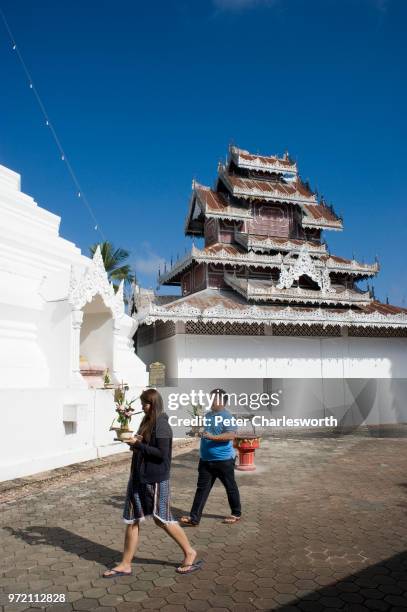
75, 544
382, 586
178, 512
117, 501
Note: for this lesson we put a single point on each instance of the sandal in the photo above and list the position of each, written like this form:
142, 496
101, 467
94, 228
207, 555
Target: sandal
116, 573
197, 565
186, 520
230, 520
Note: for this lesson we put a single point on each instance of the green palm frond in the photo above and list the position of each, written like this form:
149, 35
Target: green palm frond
113, 260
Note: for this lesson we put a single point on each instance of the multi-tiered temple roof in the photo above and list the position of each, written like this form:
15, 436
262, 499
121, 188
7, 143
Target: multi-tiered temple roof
263, 259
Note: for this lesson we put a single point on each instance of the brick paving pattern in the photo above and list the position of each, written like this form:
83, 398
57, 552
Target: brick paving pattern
325, 528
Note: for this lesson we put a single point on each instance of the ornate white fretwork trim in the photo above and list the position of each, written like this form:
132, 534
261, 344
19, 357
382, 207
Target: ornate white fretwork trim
256, 314
261, 163
334, 228
322, 224
94, 281
304, 265
269, 243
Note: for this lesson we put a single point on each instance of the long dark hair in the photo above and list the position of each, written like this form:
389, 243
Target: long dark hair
152, 397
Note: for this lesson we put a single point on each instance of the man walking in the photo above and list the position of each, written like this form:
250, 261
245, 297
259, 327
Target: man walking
217, 460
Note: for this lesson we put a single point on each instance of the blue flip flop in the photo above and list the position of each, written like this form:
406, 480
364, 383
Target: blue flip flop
193, 567
116, 573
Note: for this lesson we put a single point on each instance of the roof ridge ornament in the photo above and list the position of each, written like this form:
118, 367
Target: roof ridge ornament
304, 265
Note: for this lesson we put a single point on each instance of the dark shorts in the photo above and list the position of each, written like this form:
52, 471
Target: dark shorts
147, 501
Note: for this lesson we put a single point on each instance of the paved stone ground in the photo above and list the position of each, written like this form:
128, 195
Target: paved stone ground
325, 528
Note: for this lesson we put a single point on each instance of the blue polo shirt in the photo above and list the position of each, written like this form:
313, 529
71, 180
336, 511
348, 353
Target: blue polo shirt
214, 450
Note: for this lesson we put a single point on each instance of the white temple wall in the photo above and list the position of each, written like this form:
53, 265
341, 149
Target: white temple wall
54, 337
166, 351
376, 365
201, 356
377, 358
22, 359
49, 416
47, 428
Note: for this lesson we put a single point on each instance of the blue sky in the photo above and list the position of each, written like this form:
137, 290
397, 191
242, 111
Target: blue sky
146, 96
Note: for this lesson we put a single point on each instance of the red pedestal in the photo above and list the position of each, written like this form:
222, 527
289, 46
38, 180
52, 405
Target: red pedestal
246, 447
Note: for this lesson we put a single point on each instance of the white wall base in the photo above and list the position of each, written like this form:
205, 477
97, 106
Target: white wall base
43, 464
34, 436
112, 449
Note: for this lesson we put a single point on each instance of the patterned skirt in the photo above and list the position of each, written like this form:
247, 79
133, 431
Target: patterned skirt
147, 501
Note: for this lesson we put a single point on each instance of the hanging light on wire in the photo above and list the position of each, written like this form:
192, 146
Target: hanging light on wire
72, 174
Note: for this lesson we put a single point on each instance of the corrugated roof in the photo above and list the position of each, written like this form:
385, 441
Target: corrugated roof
249, 187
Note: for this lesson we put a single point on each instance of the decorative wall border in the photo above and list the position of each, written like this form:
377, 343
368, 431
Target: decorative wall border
291, 329
284, 316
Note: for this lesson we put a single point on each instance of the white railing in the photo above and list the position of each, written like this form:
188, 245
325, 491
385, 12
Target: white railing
250, 241
246, 288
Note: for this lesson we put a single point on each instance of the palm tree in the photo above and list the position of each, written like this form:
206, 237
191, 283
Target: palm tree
114, 260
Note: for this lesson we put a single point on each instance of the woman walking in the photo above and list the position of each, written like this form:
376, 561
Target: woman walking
148, 490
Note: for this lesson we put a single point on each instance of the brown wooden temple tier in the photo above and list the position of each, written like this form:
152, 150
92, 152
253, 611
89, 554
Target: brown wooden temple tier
213, 204
231, 256
243, 187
